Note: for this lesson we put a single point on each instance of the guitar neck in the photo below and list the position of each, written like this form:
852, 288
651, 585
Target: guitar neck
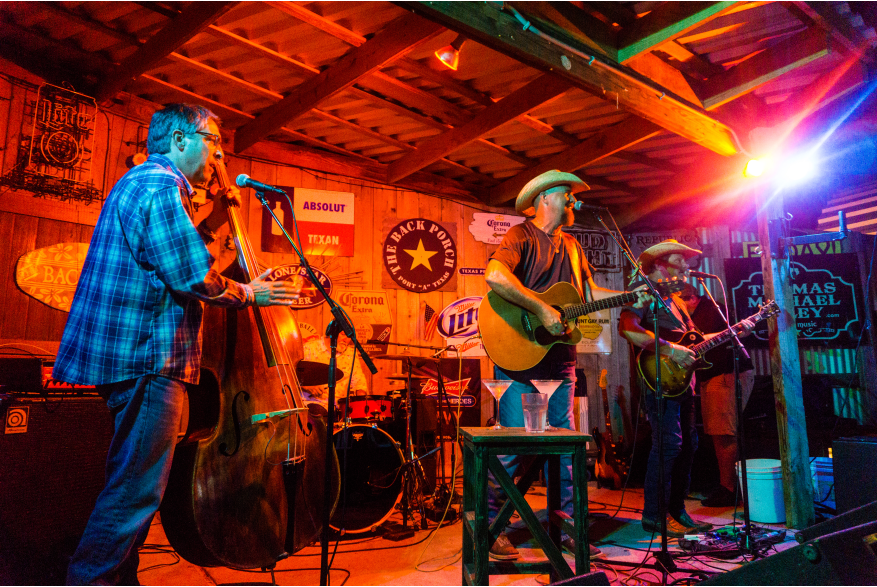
576, 310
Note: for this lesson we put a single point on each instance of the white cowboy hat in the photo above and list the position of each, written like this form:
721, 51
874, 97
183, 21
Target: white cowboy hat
545, 181
667, 247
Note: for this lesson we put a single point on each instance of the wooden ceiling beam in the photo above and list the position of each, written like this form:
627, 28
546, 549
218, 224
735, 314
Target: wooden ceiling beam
609, 184
653, 162
413, 66
422, 182
397, 38
565, 18
790, 53
826, 16
194, 19
352, 161
599, 146
665, 23
538, 91
500, 31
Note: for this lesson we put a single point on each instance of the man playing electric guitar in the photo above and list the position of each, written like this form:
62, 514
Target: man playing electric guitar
532, 257
666, 260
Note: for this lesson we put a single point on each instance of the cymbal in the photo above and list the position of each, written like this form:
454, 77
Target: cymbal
405, 377
415, 359
311, 373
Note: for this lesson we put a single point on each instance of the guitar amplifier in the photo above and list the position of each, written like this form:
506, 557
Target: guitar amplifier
52, 459
855, 460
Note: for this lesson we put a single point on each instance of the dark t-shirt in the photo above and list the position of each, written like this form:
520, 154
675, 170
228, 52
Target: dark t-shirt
668, 329
532, 256
708, 320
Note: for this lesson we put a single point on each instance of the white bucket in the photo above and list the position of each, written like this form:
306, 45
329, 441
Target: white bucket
822, 475
765, 482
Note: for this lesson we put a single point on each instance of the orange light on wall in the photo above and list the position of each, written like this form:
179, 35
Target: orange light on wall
450, 54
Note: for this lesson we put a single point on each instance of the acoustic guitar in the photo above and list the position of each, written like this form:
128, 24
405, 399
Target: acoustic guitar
675, 379
515, 338
611, 466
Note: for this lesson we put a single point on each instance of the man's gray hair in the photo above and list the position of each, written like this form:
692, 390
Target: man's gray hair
185, 117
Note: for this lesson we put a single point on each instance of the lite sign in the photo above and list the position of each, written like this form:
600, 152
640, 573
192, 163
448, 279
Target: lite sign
325, 222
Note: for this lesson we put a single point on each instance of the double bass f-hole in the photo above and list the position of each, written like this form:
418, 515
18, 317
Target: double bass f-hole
223, 447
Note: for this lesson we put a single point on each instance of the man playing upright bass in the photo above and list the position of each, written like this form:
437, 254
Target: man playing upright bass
532, 257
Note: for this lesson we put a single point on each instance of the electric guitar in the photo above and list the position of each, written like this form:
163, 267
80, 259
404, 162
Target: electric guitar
611, 467
515, 339
675, 379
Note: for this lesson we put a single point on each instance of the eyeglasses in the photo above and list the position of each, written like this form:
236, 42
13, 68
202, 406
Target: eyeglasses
213, 139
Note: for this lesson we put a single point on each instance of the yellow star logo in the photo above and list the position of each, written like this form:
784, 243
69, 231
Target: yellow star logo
420, 256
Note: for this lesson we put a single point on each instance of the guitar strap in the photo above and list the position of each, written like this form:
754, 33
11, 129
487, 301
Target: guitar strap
572, 250
683, 309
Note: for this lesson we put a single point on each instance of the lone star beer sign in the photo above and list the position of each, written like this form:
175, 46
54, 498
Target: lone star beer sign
419, 255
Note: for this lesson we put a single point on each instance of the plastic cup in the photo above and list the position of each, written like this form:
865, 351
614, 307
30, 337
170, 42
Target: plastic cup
535, 411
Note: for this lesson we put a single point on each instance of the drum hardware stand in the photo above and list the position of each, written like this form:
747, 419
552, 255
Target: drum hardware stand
339, 324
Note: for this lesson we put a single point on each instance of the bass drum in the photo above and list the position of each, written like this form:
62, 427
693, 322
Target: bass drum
371, 478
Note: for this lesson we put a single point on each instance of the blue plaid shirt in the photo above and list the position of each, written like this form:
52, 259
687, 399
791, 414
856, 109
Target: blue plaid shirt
137, 309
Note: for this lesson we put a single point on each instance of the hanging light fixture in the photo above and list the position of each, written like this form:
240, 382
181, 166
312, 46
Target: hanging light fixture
450, 54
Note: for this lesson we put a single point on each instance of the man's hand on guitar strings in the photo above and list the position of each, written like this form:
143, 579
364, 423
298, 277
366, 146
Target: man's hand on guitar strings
550, 319
682, 356
644, 297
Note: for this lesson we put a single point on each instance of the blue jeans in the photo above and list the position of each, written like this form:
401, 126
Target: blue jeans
511, 414
147, 414
680, 443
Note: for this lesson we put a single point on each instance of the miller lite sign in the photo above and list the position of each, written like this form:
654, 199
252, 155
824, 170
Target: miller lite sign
458, 324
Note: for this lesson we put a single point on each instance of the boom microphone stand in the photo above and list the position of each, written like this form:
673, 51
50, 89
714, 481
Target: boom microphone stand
340, 323
738, 350
665, 563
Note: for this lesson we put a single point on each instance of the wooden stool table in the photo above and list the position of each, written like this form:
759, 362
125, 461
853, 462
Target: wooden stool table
481, 446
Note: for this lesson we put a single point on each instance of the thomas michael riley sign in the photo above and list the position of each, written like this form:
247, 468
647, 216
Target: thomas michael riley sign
826, 292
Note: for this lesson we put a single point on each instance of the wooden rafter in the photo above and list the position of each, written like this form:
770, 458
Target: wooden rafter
611, 140
788, 54
396, 39
540, 90
402, 93
665, 23
194, 19
502, 32
611, 185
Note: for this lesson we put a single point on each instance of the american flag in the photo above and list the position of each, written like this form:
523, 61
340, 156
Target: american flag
430, 321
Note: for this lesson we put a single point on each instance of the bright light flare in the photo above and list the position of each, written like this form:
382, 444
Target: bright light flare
798, 169
755, 167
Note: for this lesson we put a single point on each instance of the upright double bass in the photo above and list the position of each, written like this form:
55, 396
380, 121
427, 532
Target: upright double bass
247, 482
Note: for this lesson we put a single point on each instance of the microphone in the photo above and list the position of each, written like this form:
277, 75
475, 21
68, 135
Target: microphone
702, 275
245, 181
579, 206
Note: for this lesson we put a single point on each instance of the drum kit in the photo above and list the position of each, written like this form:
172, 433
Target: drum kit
376, 447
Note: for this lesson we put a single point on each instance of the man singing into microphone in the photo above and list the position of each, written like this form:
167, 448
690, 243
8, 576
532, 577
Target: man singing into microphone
532, 257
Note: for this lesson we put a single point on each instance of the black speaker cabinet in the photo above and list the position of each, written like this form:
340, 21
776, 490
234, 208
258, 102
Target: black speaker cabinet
846, 557
855, 463
52, 458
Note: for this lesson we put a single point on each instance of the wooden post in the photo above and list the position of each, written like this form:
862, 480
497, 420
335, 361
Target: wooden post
786, 370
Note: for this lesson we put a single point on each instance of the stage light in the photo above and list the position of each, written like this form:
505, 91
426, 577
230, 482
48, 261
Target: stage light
798, 169
450, 54
755, 167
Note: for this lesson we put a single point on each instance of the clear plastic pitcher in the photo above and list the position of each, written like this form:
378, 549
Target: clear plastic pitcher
535, 411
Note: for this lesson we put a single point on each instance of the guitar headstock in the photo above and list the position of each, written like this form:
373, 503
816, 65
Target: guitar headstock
766, 310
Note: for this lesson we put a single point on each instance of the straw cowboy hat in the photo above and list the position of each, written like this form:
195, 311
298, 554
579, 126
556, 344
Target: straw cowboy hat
667, 247
542, 182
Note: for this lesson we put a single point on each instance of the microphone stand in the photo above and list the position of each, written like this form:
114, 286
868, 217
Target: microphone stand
738, 350
665, 563
339, 324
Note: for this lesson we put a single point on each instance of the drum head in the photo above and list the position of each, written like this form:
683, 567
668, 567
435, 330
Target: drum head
371, 478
